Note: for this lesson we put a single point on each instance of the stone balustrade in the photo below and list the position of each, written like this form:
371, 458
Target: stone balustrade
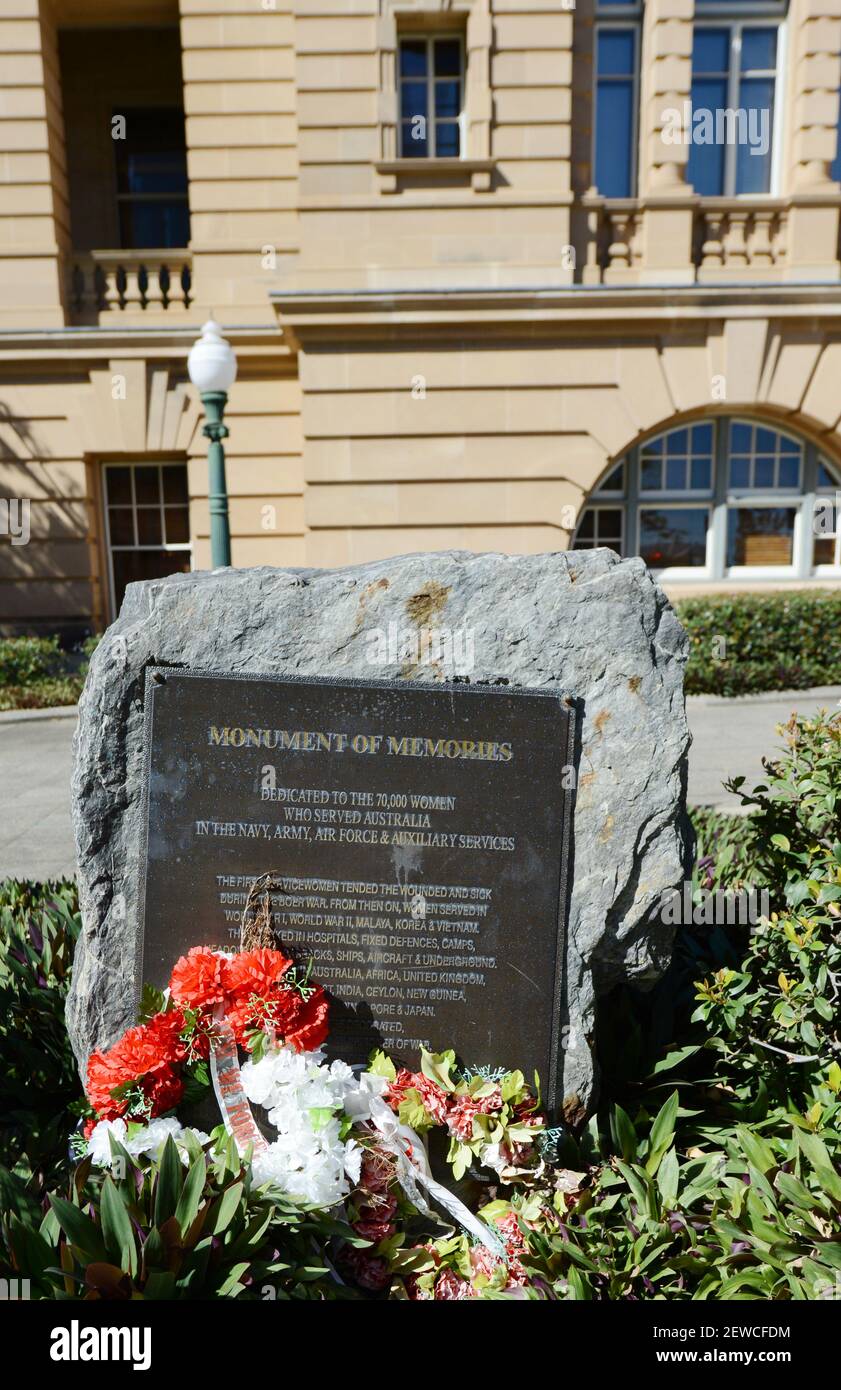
736, 235
720, 239
105, 282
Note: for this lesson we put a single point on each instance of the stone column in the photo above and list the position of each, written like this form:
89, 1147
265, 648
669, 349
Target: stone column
815, 66
666, 83
34, 215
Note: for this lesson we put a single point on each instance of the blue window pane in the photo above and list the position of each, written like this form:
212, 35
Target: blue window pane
766, 441
759, 50
711, 50
651, 475
674, 536
789, 472
447, 143
413, 100
413, 141
740, 472
615, 53
701, 475
789, 446
413, 58
654, 446
702, 439
615, 480
447, 98
705, 169
614, 135
740, 438
753, 152
675, 474
835, 167
763, 471
825, 478
677, 442
447, 58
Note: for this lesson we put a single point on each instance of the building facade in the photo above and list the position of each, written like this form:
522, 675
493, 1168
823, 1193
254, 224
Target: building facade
500, 275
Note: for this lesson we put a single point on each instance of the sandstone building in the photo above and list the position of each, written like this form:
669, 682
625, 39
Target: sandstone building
500, 274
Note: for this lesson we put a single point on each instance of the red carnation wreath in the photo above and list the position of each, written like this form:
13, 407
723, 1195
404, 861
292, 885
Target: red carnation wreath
261, 996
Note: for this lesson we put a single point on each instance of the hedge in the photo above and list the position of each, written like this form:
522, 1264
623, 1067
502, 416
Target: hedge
35, 673
744, 643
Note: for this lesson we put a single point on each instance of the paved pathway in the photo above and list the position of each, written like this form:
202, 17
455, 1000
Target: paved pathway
731, 736
36, 841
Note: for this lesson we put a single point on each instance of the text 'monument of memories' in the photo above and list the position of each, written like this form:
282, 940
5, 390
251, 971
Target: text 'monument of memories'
314, 741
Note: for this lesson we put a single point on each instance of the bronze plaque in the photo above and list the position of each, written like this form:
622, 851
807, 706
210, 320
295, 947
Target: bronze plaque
421, 835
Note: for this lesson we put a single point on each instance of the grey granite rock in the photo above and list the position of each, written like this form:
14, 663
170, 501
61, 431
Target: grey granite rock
590, 625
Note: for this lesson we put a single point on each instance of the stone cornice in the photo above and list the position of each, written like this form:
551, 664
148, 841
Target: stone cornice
321, 314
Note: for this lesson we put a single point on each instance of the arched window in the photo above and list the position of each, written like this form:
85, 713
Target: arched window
718, 499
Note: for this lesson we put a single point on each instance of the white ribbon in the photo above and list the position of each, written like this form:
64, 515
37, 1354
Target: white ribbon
413, 1168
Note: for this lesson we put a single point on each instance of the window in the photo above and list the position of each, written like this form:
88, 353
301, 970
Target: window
431, 96
152, 179
616, 61
600, 526
720, 498
147, 523
735, 65
835, 166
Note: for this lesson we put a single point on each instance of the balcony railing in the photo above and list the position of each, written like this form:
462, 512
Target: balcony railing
725, 239
733, 234
614, 240
104, 282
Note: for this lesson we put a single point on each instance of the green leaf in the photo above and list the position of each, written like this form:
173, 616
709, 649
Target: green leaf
623, 1133
117, 1231
668, 1178
381, 1065
152, 1002
816, 1152
232, 1282
222, 1212
79, 1229
674, 1058
169, 1183
437, 1067
757, 1151
781, 841
662, 1132
189, 1201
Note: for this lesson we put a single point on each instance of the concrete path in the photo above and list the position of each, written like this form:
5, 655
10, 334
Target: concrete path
36, 758
730, 736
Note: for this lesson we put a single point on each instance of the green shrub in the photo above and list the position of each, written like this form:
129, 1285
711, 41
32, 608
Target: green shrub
35, 673
743, 643
151, 1229
27, 659
42, 694
39, 924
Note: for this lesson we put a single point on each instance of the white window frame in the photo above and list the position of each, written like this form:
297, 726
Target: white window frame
429, 39
174, 546
735, 18
719, 500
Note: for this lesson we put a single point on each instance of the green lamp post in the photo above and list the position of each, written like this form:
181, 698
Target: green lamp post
212, 366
